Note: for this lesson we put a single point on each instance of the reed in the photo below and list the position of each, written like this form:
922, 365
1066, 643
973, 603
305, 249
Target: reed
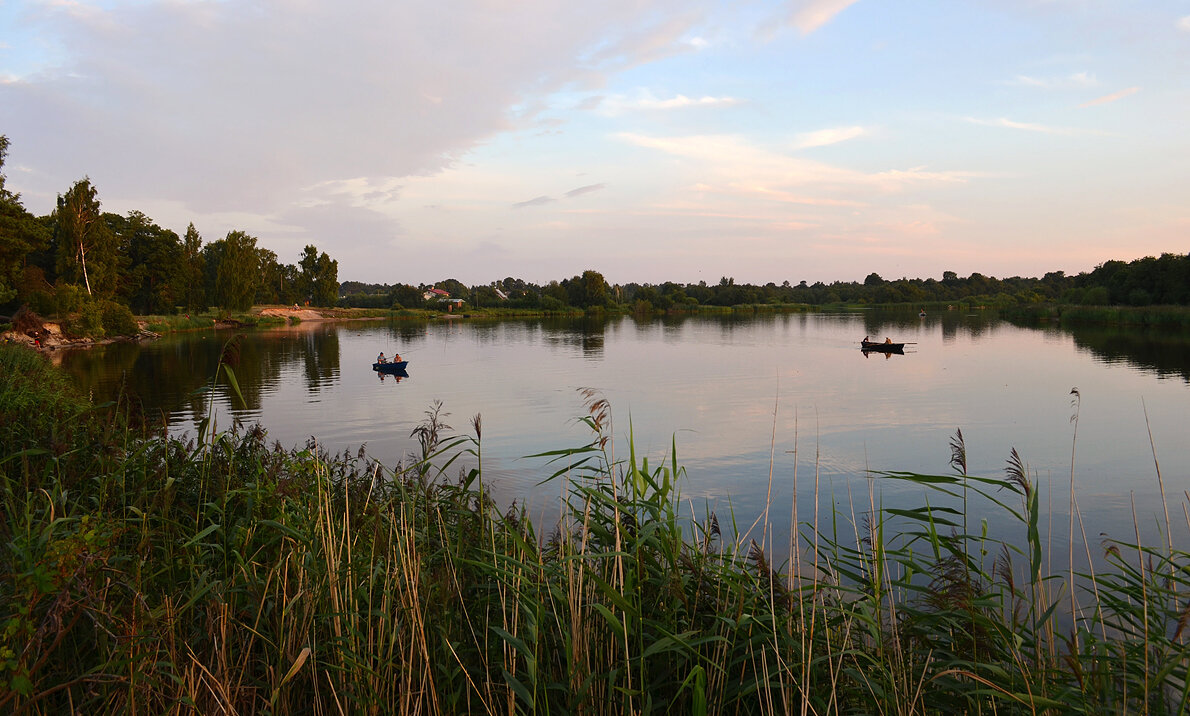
145, 573
1166, 318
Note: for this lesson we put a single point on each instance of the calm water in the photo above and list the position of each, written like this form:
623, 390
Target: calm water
737, 395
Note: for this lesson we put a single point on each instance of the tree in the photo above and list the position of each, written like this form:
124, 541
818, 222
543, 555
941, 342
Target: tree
268, 288
454, 287
194, 291
152, 266
405, 296
20, 235
289, 284
318, 280
587, 290
238, 272
86, 247
326, 281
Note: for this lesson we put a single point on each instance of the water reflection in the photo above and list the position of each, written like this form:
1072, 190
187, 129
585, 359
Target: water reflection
171, 376
396, 376
741, 397
1165, 354
586, 333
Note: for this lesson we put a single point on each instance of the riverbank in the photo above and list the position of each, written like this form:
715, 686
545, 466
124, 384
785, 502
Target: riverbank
49, 336
40, 334
139, 572
1167, 318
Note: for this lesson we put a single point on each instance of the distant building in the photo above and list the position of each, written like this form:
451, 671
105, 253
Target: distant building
503, 296
435, 293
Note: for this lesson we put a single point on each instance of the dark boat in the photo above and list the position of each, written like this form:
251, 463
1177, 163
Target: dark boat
393, 367
872, 346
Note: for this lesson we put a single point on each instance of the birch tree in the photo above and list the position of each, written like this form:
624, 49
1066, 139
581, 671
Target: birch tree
86, 246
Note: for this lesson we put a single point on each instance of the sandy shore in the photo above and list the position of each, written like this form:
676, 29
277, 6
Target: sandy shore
305, 314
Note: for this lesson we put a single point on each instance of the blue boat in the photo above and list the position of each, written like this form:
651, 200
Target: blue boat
393, 367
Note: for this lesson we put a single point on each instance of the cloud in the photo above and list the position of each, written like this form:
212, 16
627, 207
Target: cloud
584, 190
224, 106
644, 100
357, 192
825, 137
1076, 80
1184, 24
680, 101
535, 201
1030, 127
1106, 99
813, 14
731, 164
648, 41
544, 199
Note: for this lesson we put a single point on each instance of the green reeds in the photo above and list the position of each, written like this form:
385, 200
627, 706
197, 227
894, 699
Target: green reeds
150, 574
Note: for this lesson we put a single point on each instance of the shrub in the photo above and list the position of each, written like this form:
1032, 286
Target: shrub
42, 302
69, 297
87, 323
1097, 296
117, 319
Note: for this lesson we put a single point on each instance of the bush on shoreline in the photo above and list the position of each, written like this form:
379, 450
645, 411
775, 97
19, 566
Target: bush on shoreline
144, 573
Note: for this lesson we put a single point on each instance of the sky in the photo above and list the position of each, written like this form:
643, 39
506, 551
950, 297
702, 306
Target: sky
652, 141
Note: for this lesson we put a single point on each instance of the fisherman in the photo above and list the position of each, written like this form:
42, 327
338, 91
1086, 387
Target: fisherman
397, 358
887, 340
380, 358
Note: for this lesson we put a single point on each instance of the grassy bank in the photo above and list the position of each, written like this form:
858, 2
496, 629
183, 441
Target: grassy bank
151, 575
1160, 317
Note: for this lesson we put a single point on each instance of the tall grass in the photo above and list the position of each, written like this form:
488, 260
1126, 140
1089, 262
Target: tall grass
148, 574
1170, 318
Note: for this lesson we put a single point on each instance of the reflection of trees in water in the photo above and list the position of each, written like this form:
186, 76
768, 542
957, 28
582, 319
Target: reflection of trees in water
170, 375
139, 372
408, 334
962, 321
1165, 354
951, 324
320, 358
586, 334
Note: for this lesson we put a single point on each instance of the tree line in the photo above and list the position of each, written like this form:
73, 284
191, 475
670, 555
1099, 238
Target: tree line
1163, 280
79, 256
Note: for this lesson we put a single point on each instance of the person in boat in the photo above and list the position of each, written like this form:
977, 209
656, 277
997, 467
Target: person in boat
396, 358
887, 339
380, 358
865, 339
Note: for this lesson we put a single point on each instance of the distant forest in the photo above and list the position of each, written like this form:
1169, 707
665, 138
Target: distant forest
1163, 280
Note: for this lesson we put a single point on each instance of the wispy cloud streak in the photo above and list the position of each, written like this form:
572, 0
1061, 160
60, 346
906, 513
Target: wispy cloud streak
584, 190
1031, 126
1076, 80
815, 13
535, 201
1113, 97
647, 101
825, 137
